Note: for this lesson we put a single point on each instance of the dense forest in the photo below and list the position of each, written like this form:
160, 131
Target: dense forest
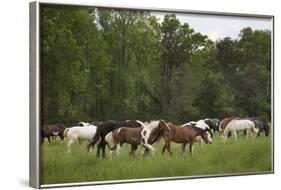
100, 64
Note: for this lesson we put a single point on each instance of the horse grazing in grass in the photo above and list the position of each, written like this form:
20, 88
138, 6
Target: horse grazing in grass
51, 131
79, 133
184, 135
146, 135
106, 127
239, 124
261, 125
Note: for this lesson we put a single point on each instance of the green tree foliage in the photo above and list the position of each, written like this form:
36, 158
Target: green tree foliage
99, 64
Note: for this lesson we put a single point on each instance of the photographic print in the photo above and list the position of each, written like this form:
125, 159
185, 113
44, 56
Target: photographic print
139, 94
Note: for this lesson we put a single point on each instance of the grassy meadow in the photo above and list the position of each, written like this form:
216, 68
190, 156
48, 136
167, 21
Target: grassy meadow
233, 156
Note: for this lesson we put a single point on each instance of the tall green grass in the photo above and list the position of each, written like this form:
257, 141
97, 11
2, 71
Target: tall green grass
233, 156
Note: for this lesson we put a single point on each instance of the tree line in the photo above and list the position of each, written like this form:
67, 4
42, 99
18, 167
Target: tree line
100, 64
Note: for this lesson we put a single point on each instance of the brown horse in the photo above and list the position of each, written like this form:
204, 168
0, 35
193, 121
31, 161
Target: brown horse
183, 135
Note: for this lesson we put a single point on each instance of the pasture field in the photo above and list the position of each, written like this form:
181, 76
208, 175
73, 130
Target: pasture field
233, 156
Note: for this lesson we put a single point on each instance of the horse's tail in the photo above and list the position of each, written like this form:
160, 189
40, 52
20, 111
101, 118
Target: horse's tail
65, 132
95, 138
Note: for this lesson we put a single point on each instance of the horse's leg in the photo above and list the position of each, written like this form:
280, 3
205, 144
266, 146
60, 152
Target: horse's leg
112, 150
143, 151
133, 149
163, 149
103, 149
255, 132
110, 154
183, 147
229, 134
61, 138
150, 147
201, 143
234, 134
49, 139
190, 149
98, 150
146, 151
247, 133
70, 141
169, 149
118, 148
259, 133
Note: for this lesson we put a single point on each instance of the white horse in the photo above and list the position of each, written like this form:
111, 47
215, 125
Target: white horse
79, 133
236, 125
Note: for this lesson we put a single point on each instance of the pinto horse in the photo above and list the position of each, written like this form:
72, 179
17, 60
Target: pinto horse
183, 135
146, 135
202, 124
106, 127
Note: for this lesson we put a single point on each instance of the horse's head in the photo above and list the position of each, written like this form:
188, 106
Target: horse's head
164, 127
207, 136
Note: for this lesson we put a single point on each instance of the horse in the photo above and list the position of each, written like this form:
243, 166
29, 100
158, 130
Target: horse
79, 133
52, 130
146, 135
202, 125
106, 127
239, 124
183, 135
261, 125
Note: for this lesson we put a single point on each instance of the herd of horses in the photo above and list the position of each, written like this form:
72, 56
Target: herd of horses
113, 134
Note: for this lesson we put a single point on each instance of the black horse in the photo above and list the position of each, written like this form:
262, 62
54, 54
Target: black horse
52, 131
262, 125
106, 127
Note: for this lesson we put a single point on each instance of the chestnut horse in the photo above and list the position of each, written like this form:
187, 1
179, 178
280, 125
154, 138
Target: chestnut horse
184, 135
